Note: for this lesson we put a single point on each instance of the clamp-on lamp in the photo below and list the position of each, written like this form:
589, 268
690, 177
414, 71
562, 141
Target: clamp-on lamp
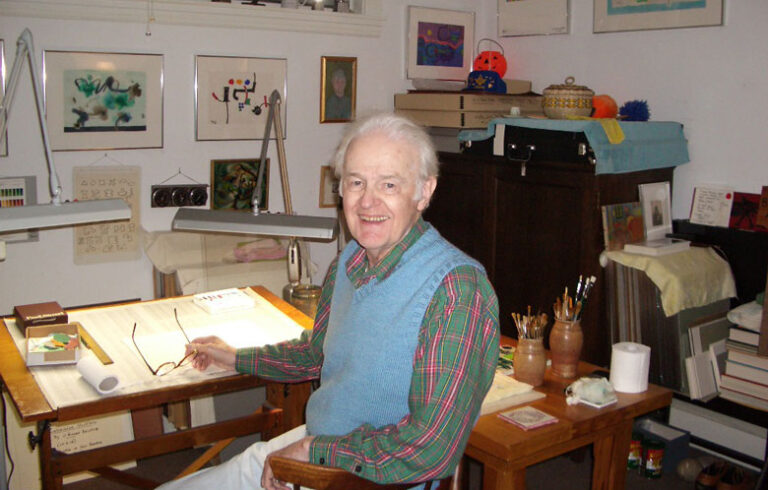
57, 213
258, 223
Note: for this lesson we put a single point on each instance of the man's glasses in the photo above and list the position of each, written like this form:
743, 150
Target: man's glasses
169, 366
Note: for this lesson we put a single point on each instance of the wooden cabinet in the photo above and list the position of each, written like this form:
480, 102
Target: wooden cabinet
535, 233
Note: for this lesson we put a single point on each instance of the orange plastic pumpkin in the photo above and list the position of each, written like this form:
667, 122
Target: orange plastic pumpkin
604, 107
491, 61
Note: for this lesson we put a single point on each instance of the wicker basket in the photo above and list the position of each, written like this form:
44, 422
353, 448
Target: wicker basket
568, 99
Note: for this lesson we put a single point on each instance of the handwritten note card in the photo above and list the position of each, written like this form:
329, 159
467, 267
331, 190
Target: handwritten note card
711, 206
109, 241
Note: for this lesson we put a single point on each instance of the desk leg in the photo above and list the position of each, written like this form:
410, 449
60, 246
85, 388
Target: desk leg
292, 398
494, 479
51, 478
609, 470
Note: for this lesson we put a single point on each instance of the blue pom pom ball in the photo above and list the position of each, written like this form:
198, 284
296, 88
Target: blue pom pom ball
635, 110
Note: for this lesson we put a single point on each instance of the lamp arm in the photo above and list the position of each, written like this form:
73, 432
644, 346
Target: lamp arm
25, 48
257, 197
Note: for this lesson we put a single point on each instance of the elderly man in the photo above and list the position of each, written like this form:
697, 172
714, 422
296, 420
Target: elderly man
406, 337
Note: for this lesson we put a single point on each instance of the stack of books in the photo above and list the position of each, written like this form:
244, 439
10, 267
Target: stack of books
464, 110
745, 379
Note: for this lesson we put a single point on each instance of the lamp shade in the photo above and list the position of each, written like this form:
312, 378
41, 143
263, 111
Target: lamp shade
65, 214
283, 225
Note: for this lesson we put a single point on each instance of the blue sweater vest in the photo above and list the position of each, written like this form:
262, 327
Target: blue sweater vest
372, 337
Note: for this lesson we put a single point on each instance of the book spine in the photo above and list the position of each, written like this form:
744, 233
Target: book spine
744, 399
743, 335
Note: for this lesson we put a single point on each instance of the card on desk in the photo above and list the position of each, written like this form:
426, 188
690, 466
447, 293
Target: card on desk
528, 417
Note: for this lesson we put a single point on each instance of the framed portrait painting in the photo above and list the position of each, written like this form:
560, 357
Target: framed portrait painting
103, 101
233, 183
232, 96
440, 43
634, 15
338, 89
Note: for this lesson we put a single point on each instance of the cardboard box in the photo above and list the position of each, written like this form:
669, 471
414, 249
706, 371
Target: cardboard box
468, 102
39, 314
48, 358
451, 119
676, 441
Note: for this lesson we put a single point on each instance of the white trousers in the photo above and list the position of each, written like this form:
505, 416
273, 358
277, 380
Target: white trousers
242, 472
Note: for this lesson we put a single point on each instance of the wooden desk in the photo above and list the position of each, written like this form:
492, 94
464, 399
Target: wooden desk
505, 451
32, 406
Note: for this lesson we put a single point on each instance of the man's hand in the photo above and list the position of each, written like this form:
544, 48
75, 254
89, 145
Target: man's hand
299, 450
212, 350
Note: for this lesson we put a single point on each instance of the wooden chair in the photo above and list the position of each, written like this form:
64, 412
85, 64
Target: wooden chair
324, 478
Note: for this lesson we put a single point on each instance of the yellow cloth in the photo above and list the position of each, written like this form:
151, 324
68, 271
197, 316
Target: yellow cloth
695, 277
612, 129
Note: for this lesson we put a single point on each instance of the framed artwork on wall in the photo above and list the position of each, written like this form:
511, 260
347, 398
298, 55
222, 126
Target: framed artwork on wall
338, 89
329, 188
634, 15
440, 43
234, 181
232, 94
531, 18
4, 146
103, 101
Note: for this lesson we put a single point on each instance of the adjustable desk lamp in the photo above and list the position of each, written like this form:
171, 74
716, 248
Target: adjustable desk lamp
256, 223
57, 213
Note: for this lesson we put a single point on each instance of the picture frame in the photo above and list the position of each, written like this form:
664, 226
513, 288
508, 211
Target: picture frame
233, 182
329, 188
655, 200
532, 18
338, 89
631, 15
4, 146
232, 96
440, 43
103, 101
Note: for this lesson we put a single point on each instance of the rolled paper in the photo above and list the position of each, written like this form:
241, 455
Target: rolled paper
97, 375
630, 363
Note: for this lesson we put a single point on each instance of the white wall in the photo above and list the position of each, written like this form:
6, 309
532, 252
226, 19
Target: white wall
45, 271
710, 79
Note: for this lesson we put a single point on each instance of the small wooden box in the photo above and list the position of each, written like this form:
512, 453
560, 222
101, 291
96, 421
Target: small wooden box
49, 358
39, 314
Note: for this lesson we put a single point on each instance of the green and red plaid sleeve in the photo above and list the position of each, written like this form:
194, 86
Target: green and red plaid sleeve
294, 360
453, 369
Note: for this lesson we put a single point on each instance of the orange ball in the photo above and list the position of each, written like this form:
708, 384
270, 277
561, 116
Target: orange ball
604, 107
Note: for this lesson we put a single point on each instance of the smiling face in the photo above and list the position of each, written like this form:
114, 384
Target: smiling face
379, 184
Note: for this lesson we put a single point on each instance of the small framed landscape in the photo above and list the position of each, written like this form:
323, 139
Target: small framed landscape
655, 200
440, 43
103, 101
232, 96
233, 183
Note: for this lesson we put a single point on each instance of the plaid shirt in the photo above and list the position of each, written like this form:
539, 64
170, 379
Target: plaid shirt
453, 369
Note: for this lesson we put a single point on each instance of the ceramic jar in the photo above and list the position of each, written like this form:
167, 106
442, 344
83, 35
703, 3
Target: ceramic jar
565, 342
530, 361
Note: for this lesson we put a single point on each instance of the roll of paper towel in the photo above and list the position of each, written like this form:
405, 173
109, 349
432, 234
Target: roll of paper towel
97, 375
629, 367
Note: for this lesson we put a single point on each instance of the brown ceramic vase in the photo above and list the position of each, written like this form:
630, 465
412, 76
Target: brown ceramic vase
530, 361
565, 341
